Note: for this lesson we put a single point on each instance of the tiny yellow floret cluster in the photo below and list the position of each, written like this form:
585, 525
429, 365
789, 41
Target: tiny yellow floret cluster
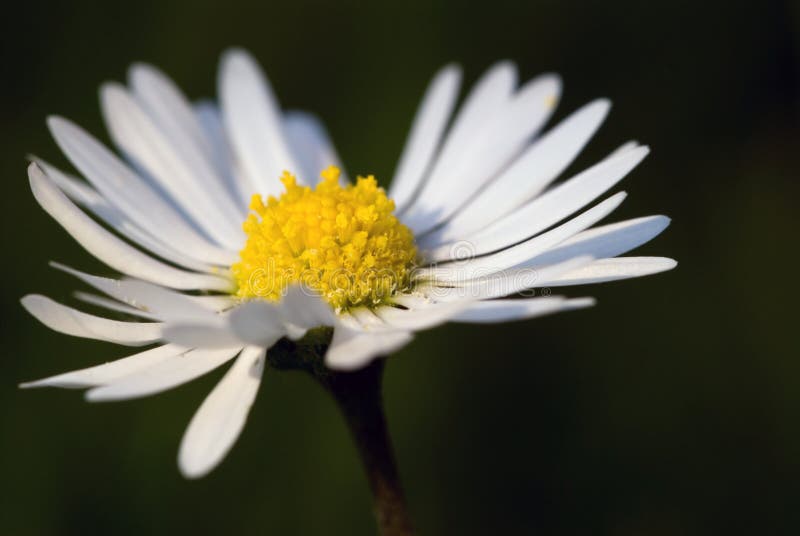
343, 242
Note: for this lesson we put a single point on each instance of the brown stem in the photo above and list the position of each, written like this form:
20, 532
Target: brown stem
358, 395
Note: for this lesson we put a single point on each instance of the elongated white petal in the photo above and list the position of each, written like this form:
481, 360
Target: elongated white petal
236, 181
252, 118
426, 134
168, 373
521, 253
86, 197
422, 318
490, 312
131, 194
196, 132
351, 349
257, 323
505, 283
110, 249
221, 418
604, 270
216, 303
180, 168
605, 241
114, 305
108, 372
70, 321
493, 147
262, 323
166, 304
533, 171
311, 146
549, 208
491, 92
624, 148
212, 333
168, 106
303, 309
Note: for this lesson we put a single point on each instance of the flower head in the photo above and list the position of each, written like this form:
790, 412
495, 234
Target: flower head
342, 241
471, 223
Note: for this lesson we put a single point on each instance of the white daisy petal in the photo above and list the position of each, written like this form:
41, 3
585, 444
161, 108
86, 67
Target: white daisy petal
489, 94
131, 194
624, 148
505, 283
533, 171
521, 253
180, 169
208, 333
489, 312
198, 128
216, 303
108, 372
85, 196
253, 120
221, 418
70, 321
303, 309
212, 303
351, 349
166, 304
604, 270
262, 323
168, 373
605, 241
422, 318
236, 181
110, 249
425, 136
257, 323
479, 109
114, 305
312, 147
549, 208
496, 144
168, 106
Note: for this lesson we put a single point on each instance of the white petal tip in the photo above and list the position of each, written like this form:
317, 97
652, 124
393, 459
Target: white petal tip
56, 122
668, 264
602, 102
54, 382
35, 173
32, 302
141, 69
102, 394
347, 365
112, 94
236, 54
191, 469
93, 396
581, 303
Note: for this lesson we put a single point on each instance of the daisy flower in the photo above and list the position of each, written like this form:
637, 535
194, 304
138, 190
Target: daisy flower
240, 238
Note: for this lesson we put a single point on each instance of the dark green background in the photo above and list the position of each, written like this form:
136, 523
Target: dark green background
671, 408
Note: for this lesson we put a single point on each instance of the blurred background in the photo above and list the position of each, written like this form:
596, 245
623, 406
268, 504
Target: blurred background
671, 408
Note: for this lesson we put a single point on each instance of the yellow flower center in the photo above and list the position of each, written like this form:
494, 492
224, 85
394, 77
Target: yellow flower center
344, 242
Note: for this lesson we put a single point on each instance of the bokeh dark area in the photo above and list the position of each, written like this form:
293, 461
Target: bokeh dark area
671, 408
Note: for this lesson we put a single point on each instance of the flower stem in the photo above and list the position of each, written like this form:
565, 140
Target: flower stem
358, 395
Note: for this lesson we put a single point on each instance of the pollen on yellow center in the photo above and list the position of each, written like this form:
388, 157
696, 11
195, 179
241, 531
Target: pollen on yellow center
342, 241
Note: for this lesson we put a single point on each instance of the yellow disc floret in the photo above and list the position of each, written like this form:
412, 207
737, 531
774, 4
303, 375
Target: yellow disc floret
343, 242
